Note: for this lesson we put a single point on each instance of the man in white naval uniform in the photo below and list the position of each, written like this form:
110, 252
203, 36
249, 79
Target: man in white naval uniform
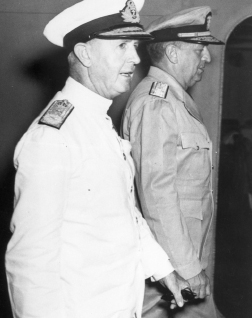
80, 248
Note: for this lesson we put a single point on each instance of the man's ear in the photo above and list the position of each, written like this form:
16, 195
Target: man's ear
82, 51
171, 52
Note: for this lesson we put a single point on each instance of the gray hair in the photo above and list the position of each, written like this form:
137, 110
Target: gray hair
156, 50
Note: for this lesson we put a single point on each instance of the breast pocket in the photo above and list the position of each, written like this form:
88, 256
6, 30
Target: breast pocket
195, 141
194, 158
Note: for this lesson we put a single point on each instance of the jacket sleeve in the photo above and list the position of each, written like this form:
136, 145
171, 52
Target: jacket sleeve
33, 253
154, 137
155, 261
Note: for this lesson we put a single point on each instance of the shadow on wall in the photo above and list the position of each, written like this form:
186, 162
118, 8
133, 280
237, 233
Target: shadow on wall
50, 72
42, 78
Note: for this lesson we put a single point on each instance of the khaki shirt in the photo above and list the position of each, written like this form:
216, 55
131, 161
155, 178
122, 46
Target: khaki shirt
172, 154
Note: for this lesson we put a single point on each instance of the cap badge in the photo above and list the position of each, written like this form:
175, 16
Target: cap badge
129, 12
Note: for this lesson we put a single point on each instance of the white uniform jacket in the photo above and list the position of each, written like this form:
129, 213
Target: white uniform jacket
79, 248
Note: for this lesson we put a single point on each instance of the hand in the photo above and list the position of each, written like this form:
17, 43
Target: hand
200, 285
175, 283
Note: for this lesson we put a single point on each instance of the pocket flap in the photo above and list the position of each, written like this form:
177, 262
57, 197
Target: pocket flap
194, 140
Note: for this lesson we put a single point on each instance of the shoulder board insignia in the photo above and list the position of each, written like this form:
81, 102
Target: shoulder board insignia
56, 114
159, 89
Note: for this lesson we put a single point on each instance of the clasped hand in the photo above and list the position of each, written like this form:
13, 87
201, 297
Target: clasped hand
199, 284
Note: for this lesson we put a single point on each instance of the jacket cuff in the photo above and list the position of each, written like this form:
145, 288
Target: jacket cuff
190, 270
165, 270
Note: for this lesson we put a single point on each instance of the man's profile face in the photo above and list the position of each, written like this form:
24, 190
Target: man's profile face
192, 59
112, 66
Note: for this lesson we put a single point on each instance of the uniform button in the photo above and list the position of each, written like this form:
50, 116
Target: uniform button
197, 147
213, 167
124, 156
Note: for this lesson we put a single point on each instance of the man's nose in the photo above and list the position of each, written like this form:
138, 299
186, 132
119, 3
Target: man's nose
206, 55
134, 57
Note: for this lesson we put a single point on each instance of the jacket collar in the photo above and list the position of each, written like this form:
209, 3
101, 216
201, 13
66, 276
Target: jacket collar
84, 99
177, 90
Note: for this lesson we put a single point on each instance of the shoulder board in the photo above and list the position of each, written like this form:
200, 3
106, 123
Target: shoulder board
159, 89
56, 114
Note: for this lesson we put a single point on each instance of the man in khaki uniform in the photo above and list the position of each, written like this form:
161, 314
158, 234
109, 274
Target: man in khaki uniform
172, 154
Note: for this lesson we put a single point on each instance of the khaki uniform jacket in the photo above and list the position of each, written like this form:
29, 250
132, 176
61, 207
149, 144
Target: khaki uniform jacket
79, 248
172, 154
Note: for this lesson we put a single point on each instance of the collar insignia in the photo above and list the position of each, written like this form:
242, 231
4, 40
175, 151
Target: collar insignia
129, 12
159, 89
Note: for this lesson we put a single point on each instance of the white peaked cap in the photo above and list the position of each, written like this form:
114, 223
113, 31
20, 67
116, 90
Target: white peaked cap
89, 18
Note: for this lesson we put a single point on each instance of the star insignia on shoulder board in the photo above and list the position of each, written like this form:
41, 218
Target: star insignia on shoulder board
57, 113
159, 89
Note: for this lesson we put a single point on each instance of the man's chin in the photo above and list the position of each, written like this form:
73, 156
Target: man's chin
125, 88
198, 77
120, 91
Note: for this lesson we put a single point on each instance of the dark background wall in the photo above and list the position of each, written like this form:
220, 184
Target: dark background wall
32, 70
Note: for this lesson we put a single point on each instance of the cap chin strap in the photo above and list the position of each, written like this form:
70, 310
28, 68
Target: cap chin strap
194, 34
123, 32
195, 42
143, 37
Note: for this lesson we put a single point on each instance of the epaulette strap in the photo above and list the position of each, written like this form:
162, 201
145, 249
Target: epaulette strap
159, 89
57, 113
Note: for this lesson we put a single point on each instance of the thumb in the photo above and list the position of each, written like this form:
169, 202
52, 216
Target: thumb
179, 299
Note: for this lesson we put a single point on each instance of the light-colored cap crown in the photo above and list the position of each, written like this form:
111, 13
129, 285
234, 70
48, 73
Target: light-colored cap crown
189, 25
94, 16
